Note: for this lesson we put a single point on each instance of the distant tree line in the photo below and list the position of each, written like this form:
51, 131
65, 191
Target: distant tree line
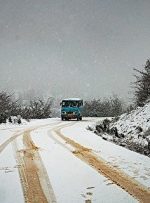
36, 109
110, 107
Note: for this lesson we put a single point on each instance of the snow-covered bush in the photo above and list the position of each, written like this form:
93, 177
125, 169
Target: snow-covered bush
37, 109
8, 106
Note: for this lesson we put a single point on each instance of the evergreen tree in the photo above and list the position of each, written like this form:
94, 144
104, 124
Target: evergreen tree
142, 85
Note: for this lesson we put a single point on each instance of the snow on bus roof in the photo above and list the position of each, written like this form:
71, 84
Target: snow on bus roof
72, 99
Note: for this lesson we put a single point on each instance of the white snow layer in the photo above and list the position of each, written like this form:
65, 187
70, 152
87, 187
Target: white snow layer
72, 180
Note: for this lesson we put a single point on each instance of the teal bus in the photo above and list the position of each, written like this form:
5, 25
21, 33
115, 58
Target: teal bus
71, 108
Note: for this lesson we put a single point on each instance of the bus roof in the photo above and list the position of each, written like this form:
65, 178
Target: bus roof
72, 99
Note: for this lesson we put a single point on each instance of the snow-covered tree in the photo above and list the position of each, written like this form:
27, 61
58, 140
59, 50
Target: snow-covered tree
37, 109
8, 106
142, 85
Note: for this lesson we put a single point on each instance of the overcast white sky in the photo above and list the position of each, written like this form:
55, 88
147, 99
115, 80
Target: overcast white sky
73, 48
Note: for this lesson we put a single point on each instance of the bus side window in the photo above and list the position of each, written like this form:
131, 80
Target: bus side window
79, 103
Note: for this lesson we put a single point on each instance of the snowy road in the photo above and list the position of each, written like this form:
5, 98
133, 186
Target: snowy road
54, 161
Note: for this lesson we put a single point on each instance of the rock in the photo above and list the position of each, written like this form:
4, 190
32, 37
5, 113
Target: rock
10, 119
99, 128
104, 138
121, 135
123, 144
139, 129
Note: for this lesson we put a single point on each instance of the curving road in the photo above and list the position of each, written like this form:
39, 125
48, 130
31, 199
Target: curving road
31, 142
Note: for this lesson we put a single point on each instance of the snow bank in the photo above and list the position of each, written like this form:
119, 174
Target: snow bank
134, 122
131, 130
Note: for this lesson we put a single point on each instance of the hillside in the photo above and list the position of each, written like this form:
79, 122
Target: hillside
135, 123
131, 130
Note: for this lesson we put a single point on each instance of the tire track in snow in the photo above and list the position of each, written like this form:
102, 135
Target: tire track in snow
8, 141
117, 176
20, 132
33, 175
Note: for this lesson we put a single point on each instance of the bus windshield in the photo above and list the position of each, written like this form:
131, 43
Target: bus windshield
72, 103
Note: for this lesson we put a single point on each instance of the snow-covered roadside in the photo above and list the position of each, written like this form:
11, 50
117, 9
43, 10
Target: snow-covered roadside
129, 123
133, 130
10, 186
7, 130
73, 180
25, 124
132, 163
